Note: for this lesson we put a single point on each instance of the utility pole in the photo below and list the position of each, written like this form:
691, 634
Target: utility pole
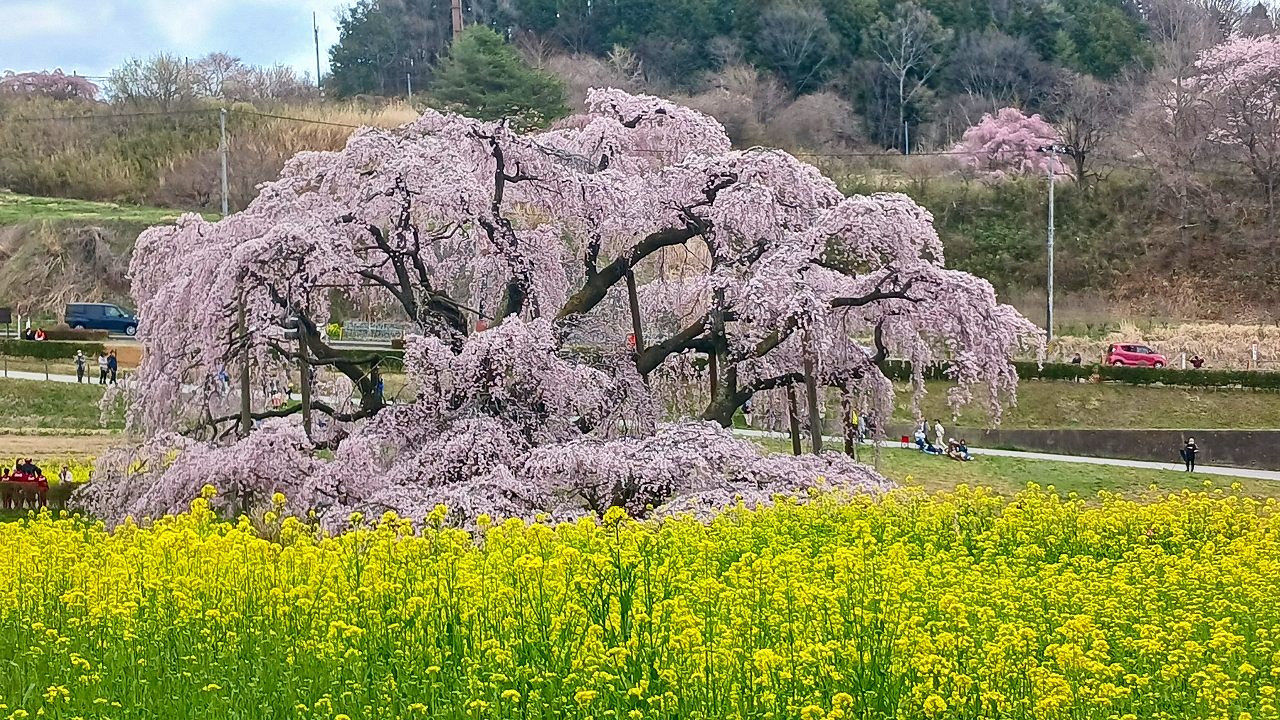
1053, 151
457, 18
222, 151
315, 29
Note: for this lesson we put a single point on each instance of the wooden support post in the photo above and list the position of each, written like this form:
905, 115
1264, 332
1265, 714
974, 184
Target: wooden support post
793, 419
246, 405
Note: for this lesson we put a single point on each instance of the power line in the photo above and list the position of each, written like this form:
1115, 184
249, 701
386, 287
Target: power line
295, 119
113, 116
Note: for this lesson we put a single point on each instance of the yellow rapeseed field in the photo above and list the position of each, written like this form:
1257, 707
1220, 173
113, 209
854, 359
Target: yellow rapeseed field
959, 605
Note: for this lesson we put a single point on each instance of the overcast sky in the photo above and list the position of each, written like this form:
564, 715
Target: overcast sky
92, 36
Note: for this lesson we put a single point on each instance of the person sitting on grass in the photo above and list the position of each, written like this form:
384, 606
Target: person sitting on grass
40, 336
921, 441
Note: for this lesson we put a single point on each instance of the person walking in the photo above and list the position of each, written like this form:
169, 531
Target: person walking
1189, 452
112, 365
102, 368
939, 433
81, 361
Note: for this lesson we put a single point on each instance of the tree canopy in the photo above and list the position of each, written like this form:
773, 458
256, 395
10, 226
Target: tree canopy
523, 262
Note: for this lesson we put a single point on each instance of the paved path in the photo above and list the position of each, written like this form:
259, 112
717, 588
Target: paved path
1250, 473
52, 377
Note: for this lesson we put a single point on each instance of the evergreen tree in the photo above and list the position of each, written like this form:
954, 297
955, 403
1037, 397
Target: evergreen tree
483, 77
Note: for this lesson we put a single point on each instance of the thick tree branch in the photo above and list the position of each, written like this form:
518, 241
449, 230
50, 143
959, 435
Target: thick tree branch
689, 338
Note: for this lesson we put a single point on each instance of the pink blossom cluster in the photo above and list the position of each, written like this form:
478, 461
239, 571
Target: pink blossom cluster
1239, 82
1010, 143
47, 83
571, 292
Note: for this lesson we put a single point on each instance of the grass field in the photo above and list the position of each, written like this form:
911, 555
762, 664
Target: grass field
1009, 476
16, 209
32, 404
1052, 404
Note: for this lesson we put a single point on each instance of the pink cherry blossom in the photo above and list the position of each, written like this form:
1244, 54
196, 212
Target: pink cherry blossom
1010, 143
510, 257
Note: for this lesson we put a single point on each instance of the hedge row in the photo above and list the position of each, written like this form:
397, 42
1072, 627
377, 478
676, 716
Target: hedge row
49, 350
901, 370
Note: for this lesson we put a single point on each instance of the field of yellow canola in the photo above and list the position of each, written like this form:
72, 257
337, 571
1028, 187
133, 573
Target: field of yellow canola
961, 605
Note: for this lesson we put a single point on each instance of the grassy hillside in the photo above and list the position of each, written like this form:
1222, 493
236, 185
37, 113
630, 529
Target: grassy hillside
1047, 404
18, 209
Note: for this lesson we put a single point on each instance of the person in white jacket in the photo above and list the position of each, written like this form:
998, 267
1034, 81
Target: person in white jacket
939, 434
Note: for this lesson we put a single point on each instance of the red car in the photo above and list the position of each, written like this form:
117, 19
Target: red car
1134, 354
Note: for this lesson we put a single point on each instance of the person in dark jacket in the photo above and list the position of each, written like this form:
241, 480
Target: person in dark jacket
1189, 452
112, 365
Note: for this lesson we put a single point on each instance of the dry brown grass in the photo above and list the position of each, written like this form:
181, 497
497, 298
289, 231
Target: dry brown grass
1222, 345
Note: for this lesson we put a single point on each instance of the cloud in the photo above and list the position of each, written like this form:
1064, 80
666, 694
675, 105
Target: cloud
93, 36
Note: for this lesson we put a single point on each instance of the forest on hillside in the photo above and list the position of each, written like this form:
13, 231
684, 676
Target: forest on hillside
1161, 112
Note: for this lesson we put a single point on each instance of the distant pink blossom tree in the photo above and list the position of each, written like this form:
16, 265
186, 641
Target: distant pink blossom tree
1010, 143
529, 266
1239, 82
45, 83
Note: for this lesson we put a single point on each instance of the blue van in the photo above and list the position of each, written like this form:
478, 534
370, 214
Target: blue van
99, 316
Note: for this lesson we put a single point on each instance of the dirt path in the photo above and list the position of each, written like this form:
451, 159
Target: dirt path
55, 446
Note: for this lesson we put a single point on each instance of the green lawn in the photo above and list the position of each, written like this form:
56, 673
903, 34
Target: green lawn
15, 209
35, 404
1010, 475
1055, 404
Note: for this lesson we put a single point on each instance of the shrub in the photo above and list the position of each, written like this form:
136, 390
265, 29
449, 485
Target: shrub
62, 332
901, 371
51, 350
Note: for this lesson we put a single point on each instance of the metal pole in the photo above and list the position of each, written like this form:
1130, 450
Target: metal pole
408, 81
222, 150
315, 28
906, 138
1049, 250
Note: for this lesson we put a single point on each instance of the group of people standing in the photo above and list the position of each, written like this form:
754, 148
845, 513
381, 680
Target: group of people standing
26, 485
108, 364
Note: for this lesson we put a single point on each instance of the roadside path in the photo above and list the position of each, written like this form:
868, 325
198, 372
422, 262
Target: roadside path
1249, 473
52, 377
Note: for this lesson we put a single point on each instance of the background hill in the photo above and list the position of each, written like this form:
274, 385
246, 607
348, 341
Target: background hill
1157, 220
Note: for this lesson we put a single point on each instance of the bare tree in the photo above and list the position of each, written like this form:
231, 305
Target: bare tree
909, 46
213, 72
163, 80
1003, 70
797, 40
1086, 111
